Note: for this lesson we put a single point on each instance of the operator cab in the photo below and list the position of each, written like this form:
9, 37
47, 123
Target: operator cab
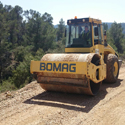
84, 32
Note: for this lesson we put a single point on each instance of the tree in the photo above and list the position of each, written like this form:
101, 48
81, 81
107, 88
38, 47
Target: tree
110, 41
14, 23
116, 36
47, 18
39, 32
5, 59
105, 26
61, 30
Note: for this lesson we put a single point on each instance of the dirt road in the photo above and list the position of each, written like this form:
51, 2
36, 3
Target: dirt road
31, 105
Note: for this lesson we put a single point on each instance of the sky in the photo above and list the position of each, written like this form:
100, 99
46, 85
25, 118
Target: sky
105, 10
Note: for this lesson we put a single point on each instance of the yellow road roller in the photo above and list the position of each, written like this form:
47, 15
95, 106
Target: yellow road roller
87, 61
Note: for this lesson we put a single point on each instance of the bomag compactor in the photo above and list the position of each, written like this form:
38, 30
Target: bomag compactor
87, 61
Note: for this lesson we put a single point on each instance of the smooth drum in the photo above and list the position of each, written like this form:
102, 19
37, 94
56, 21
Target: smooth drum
69, 83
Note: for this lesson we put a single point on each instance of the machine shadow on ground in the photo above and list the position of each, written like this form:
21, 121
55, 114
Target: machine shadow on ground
76, 102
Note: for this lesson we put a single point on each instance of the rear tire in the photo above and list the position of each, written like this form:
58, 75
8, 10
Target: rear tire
112, 68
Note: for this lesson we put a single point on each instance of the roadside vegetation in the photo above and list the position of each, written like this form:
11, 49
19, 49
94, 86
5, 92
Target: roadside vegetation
27, 35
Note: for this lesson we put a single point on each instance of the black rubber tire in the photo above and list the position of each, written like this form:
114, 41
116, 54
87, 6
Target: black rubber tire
111, 59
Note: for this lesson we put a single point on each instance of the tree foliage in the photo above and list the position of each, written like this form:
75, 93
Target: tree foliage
61, 30
24, 36
116, 37
105, 26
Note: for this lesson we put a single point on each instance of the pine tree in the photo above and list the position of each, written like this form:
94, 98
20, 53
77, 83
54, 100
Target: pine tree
116, 36
61, 30
105, 26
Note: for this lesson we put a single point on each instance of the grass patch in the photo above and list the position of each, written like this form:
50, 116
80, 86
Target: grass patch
7, 86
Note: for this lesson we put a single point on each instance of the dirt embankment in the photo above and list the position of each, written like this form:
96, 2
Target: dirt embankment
31, 105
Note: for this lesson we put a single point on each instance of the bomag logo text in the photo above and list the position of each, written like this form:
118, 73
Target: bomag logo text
62, 67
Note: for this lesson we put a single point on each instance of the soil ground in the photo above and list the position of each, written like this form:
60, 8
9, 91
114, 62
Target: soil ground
32, 105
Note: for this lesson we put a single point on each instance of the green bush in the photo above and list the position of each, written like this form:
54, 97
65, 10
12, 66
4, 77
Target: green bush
7, 86
22, 75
